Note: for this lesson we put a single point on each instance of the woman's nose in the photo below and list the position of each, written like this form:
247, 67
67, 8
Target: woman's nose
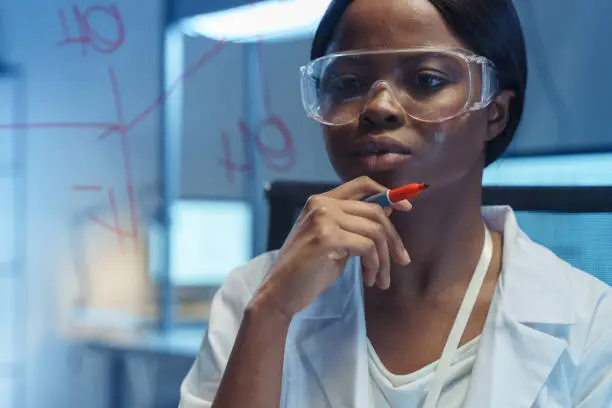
382, 111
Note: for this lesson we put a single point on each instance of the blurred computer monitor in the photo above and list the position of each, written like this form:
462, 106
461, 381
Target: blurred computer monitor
207, 239
582, 239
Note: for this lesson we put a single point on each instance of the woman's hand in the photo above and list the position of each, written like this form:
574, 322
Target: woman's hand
331, 228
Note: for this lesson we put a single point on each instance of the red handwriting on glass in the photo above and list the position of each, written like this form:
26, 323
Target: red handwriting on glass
89, 36
120, 128
107, 128
123, 126
115, 227
279, 160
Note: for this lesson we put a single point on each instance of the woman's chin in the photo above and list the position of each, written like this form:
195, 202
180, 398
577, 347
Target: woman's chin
389, 179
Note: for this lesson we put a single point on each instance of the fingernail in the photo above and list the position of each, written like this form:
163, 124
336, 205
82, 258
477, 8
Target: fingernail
407, 204
406, 256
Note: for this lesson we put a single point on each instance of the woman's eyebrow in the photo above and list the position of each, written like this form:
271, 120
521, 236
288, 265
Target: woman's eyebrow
347, 61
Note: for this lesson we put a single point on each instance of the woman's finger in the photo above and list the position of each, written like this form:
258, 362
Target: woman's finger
375, 232
375, 213
358, 245
403, 205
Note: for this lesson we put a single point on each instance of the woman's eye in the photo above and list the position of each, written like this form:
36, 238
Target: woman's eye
425, 81
346, 83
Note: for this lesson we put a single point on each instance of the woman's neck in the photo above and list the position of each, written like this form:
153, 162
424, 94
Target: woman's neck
444, 235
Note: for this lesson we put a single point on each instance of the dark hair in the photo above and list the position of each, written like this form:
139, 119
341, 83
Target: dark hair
491, 28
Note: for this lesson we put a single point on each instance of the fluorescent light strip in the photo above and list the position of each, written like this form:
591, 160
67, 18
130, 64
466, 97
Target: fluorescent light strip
265, 20
564, 170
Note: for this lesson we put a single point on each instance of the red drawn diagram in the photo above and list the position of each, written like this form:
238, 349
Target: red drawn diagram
115, 228
120, 128
81, 31
279, 160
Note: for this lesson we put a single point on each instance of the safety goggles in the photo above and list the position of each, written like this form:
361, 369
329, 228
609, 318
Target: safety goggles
428, 84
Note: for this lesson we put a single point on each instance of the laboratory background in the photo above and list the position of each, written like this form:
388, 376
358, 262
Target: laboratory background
147, 148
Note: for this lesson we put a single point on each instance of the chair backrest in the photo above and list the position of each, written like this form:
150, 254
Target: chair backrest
574, 222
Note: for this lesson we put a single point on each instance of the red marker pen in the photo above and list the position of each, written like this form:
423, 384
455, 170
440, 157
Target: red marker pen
397, 194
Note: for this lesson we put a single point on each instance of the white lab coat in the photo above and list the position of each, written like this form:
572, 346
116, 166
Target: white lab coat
547, 341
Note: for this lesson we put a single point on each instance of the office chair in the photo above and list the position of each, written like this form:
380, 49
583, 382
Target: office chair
574, 222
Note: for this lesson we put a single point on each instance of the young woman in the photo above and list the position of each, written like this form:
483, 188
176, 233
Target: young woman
433, 303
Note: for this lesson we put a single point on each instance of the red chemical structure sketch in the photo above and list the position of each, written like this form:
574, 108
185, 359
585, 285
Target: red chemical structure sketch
120, 128
115, 228
279, 160
276, 159
85, 34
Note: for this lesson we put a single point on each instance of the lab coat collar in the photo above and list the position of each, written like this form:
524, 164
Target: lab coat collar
534, 286
513, 362
331, 336
515, 356
518, 349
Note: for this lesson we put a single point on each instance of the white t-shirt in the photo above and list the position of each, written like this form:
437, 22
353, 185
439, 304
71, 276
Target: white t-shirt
409, 391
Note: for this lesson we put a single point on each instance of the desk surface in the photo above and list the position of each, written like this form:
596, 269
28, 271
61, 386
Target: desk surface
179, 342
111, 330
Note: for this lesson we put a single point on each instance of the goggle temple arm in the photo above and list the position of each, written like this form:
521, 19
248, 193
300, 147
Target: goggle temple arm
490, 83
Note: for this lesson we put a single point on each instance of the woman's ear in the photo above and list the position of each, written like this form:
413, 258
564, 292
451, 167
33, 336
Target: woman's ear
498, 114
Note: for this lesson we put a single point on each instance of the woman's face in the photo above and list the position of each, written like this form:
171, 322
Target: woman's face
433, 153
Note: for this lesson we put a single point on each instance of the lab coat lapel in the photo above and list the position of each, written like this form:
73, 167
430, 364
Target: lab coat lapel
518, 349
333, 344
513, 363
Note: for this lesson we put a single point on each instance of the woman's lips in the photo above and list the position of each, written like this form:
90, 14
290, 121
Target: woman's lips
382, 162
380, 154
